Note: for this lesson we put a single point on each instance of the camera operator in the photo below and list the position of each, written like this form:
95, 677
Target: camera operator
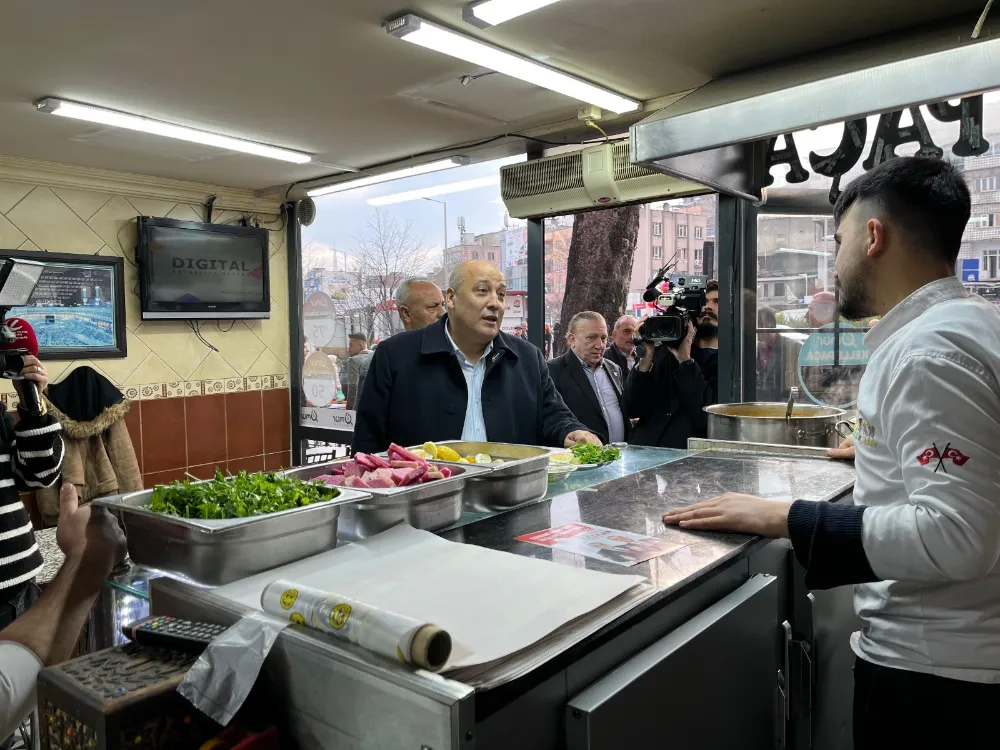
707, 331
668, 389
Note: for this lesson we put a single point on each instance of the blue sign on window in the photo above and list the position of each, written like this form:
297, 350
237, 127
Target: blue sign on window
970, 269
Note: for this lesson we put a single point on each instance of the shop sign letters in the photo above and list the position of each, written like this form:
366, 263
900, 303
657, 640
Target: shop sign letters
888, 135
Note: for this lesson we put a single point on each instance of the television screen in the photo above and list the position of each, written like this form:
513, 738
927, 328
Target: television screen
192, 270
77, 307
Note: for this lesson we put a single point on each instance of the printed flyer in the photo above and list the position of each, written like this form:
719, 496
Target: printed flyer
610, 545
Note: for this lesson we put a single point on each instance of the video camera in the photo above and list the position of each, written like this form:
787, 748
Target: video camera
681, 303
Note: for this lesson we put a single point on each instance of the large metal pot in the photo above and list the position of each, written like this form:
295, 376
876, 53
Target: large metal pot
809, 425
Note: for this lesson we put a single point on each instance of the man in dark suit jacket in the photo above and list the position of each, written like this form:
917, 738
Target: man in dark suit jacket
461, 378
590, 384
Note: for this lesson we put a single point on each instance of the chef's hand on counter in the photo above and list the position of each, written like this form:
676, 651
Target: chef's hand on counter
743, 514
845, 451
90, 538
581, 436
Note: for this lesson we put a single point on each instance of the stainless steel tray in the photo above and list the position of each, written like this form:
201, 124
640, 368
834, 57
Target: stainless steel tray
431, 506
522, 478
217, 552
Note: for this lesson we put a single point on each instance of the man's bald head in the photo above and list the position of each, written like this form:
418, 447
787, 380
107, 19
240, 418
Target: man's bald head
472, 270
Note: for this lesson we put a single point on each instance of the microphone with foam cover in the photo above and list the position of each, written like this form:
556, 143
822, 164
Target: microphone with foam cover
18, 340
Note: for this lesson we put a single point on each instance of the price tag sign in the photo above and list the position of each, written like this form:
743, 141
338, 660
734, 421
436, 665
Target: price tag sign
318, 319
319, 380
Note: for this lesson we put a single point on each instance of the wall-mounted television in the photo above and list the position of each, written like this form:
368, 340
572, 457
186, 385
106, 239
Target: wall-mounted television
194, 271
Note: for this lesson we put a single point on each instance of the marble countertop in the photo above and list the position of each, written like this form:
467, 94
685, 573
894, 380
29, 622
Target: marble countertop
636, 503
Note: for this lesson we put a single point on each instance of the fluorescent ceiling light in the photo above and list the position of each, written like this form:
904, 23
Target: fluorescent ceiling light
486, 13
432, 166
156, 127
430, 192
415, 29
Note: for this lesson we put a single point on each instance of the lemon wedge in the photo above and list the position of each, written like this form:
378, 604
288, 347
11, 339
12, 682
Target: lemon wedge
444, 453
483, 458
561, 458
430, 449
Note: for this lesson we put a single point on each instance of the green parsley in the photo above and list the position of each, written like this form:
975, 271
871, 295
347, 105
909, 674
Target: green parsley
241, 496
595, 454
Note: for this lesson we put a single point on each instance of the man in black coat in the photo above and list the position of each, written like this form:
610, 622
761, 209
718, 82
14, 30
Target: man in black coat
590, 384
668, 390
461, 378
622, 350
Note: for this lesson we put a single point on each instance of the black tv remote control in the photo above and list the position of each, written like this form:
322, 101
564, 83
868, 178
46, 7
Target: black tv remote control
172, 634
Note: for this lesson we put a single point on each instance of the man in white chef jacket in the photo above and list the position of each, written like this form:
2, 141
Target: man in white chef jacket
921, 542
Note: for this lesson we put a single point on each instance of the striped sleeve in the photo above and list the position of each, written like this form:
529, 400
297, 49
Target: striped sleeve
38, 451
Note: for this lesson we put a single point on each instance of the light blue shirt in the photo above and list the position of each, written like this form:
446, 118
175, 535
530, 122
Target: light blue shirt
607, 397
474, 429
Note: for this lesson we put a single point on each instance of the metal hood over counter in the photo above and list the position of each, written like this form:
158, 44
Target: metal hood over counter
718, 135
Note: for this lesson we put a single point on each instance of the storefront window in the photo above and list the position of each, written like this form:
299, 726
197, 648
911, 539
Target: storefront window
363, 244
796, 302
661, 237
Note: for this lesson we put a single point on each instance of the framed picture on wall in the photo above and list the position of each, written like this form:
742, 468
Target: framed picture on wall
78, 306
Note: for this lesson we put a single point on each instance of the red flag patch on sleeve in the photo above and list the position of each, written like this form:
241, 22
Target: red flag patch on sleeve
948, 454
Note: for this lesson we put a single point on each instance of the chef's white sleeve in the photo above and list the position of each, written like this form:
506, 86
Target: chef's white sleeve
941, 417
19, 668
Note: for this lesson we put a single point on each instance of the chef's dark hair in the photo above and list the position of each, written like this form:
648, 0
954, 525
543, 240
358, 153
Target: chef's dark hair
927, 196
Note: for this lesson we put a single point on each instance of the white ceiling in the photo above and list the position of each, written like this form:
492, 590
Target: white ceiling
321, 76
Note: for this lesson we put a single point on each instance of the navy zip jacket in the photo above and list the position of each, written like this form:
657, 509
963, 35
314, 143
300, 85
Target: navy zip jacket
415, 391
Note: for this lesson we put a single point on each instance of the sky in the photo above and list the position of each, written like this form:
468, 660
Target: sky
341, 217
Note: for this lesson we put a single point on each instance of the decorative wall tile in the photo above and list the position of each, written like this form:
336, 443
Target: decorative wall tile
12, 193
152, 370
115, 224
10, 236
174, 390
254, 383
280, 381
84, 203
235, 385
193, 388
214, 386
50, 224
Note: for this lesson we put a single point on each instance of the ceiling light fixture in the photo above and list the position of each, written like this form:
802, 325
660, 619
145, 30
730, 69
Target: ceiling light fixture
398, 174
486, 13
103, 116
431, 192
415, 29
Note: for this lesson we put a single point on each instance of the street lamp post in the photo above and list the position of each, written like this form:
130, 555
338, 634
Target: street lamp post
444, 253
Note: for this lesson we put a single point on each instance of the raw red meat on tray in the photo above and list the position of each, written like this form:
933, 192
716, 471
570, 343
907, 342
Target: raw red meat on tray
368, 471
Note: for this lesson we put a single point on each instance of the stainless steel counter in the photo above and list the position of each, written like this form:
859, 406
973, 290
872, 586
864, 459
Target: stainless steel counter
339, 695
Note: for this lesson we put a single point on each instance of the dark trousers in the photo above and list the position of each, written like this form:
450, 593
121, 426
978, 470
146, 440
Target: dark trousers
894, 708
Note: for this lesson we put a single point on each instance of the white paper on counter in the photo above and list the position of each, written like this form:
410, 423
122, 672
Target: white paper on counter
493, 604
221, 679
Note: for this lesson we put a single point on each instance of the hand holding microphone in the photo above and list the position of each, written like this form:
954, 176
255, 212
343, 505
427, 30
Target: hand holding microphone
19, 351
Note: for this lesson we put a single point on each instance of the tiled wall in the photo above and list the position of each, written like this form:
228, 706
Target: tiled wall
197, 434
165, 358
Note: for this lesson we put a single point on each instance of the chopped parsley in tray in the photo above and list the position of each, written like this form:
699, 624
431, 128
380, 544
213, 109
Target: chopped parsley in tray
241, 496
595, 454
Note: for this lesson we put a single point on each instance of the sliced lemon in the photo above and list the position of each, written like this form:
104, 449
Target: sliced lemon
444, 453
421, 453
430, 449
483, 458
561, 458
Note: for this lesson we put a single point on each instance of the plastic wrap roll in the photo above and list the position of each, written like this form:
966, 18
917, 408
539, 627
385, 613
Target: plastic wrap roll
387, 633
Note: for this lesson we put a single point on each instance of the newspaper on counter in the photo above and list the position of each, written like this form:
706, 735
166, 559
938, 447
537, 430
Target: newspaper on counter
500, 609
396, 636
600, 543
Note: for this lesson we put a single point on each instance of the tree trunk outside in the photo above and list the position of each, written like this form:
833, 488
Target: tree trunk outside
599, 268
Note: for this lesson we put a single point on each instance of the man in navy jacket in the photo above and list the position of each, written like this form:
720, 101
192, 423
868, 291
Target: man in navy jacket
461, 378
